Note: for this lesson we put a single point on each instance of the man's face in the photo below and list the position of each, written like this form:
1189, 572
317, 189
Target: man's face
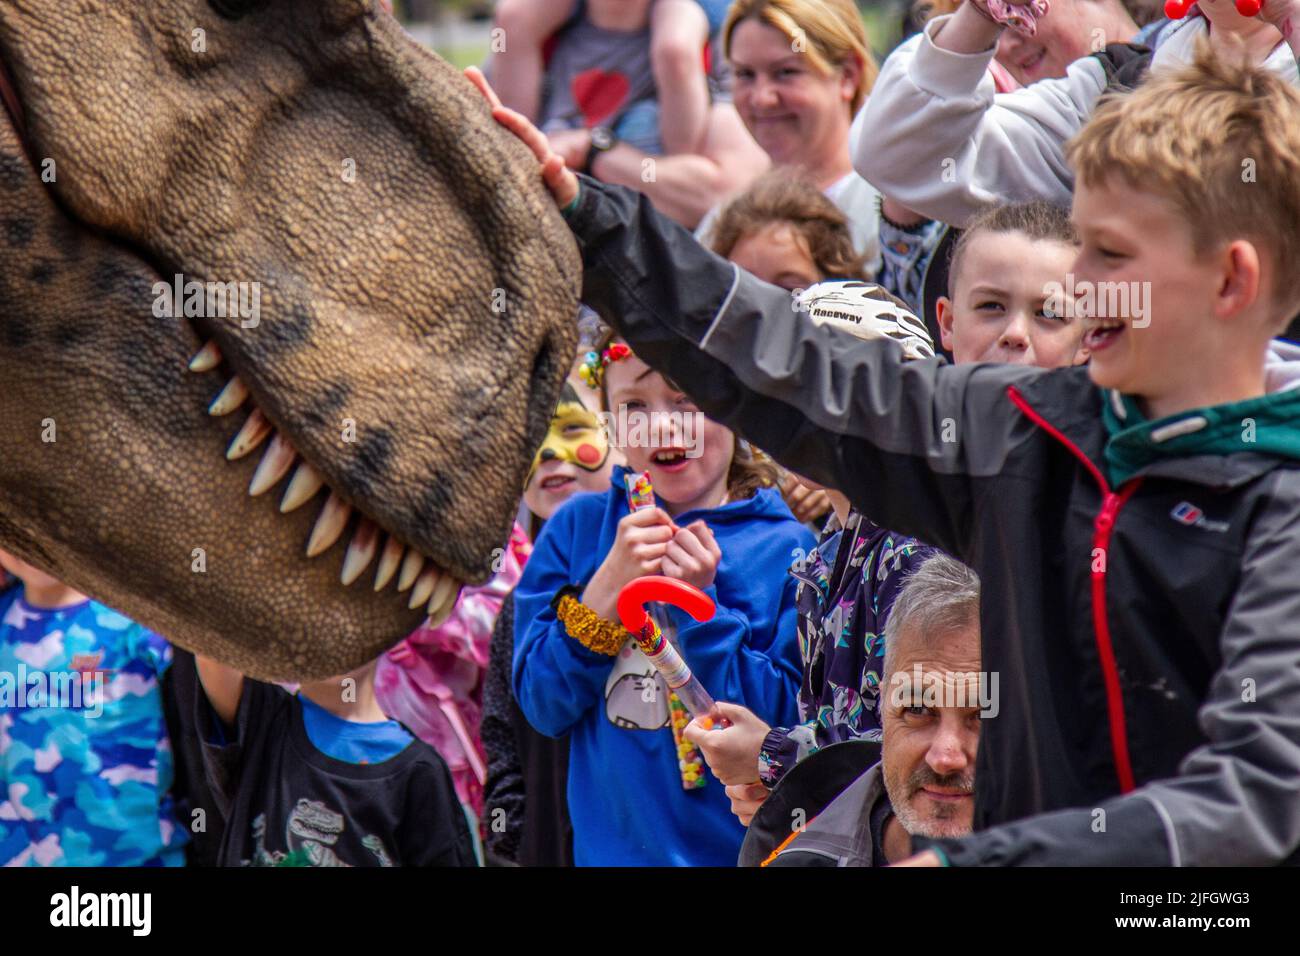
928, 752
1153, 334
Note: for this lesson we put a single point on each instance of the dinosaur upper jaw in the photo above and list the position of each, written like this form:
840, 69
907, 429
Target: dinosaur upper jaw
285, 474
342, 573
418, 284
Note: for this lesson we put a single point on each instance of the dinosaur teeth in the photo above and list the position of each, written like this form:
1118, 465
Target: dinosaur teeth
306, 481
424, 586
254, 432
333, 518
232, 396
206, 358
411, 566
388, 562
365, 542
275, 463
443, 600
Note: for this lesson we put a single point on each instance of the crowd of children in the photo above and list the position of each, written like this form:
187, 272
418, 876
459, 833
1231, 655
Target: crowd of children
1049, 441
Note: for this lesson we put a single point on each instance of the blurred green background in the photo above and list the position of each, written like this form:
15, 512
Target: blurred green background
459, 29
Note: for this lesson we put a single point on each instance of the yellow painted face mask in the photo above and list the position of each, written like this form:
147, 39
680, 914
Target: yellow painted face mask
575, 436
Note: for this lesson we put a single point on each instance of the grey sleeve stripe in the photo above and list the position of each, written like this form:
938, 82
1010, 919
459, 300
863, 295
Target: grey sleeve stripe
1175, 858
722, 309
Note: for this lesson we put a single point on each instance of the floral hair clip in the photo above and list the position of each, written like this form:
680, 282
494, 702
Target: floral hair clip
593, 366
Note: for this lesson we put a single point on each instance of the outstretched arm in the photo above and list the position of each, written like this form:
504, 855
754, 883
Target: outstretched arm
901, 439
686, 186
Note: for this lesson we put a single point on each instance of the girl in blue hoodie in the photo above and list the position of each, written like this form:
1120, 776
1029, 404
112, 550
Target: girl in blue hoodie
719, 525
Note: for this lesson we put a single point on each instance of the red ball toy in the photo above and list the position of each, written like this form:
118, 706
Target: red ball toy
1177, 9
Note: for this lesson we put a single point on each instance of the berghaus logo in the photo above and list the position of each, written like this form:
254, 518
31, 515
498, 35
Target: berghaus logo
1188, 514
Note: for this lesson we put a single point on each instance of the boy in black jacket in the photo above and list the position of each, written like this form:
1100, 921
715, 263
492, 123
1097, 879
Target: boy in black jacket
1137, 535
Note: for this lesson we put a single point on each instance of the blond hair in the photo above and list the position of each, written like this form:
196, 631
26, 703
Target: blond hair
830, 32
1220, 141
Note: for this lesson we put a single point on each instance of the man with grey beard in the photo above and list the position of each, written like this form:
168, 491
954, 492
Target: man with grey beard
923, 784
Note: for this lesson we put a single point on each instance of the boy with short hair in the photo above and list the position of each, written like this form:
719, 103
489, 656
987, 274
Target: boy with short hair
1137, 542
85, 761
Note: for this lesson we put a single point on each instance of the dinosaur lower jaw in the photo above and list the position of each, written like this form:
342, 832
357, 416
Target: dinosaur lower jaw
438, 590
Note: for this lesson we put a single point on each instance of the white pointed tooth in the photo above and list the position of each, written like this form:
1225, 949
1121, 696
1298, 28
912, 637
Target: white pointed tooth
389, 560
306, 481
254, 432
443, 600
424, 586
231, 397
333, 518
411, 566
365, 542
206, 358
275, 464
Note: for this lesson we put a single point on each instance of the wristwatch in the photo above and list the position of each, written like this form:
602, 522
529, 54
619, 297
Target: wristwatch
603, 139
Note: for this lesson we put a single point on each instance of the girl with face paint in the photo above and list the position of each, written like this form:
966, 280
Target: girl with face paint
574, 457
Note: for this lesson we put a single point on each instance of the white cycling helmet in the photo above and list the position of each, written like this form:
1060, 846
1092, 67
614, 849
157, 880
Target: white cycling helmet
867, 311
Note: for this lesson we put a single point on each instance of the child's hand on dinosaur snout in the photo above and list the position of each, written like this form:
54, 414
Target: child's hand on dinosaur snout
558, 178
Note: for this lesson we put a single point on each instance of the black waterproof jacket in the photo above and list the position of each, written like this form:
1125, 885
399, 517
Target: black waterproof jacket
1146, 638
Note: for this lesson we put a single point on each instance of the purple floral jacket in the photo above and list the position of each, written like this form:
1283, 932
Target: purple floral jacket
844, 597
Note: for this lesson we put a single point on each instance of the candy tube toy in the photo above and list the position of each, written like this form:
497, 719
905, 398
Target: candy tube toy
655, 646
640, 493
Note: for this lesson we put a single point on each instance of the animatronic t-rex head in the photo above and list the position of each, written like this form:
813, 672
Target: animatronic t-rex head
383, 309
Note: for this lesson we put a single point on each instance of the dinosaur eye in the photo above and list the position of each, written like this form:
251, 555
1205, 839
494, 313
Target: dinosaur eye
236, 9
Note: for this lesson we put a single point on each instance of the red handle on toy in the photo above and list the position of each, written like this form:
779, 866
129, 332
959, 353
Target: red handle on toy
656, 587
1177, 9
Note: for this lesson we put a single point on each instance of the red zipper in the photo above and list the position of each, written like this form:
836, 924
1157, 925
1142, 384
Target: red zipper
1104, 524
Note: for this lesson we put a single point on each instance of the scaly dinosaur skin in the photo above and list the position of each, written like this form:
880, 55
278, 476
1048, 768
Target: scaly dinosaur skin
379, 307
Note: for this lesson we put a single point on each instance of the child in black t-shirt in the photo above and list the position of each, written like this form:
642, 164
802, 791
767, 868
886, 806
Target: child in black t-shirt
322, 777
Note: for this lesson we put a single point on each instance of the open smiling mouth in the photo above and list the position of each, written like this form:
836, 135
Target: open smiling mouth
1102, 334
670, 459
429, 586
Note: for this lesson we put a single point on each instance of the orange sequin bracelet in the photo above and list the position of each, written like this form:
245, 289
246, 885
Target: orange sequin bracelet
587, 627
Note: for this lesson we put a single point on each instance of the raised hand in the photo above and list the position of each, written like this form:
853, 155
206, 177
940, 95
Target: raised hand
558, 178
639, 546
